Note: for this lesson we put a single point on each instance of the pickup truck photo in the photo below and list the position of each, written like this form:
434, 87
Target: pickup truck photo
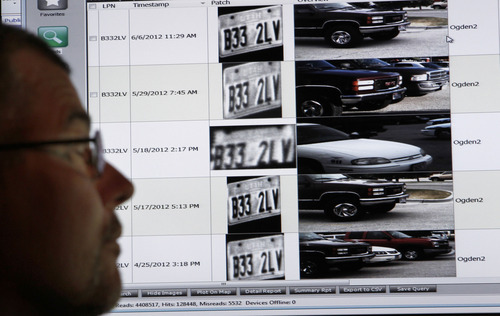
345, 198
318, 254
417, 80
322, 89
343, 25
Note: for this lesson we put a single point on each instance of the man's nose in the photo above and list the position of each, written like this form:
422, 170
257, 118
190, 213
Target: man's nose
113, 187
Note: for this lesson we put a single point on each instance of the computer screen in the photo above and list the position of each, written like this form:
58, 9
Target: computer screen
293, 157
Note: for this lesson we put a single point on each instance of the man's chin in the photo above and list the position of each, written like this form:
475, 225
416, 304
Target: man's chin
106, 294
97, 299
107, 287
112, 285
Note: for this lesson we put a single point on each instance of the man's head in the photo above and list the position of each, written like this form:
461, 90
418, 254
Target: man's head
57, 222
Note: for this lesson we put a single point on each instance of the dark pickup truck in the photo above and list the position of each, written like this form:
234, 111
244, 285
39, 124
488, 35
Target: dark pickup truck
412, 248
318, 254
324, 90
344, 25
417, 80
345, 198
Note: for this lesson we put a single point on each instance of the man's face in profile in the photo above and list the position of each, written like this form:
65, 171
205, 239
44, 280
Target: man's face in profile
60, 230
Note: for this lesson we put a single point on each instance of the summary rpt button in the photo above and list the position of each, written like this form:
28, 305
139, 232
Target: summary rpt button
312, 290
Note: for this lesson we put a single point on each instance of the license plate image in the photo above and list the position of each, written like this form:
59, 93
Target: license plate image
397, 96
244, 147
251, 88
256, 258
250, 30
253, 199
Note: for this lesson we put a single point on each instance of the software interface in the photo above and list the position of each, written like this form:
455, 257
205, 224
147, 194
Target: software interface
294, 157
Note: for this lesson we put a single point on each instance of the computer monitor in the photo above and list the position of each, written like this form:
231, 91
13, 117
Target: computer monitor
293, 157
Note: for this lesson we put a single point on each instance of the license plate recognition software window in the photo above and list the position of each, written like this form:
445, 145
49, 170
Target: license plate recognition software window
294, 157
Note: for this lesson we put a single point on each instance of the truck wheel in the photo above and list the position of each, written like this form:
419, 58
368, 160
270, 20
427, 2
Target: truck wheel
412, 254
385, 36
344, 211
312, 267
343, 36
310, 106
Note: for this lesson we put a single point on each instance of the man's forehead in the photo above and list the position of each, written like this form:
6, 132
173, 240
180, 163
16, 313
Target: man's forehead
52, 104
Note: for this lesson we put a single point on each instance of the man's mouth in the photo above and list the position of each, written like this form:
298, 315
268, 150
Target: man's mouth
113, 233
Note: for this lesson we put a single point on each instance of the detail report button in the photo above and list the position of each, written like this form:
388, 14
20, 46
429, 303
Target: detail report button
263, 291
364, 289
422, 288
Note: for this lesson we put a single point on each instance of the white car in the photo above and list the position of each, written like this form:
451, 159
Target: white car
438, 130
384, 254
440, 4
322, 149
447, 175
407, 64
438, 121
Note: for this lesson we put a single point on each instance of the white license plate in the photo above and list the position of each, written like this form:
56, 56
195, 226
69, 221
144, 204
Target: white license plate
246, 147
251, 88
251, 30
402, 28
397, 95
256, 258
402, 200
253, 199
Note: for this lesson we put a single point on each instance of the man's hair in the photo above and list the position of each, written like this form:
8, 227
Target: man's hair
13, 91
12, 88
14, 39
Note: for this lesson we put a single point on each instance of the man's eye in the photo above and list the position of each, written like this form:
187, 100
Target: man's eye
84, 152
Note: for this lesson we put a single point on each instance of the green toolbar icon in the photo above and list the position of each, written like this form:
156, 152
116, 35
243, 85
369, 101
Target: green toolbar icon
54, 36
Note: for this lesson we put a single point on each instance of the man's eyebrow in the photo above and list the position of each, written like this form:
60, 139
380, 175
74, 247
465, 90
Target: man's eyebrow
79, 116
